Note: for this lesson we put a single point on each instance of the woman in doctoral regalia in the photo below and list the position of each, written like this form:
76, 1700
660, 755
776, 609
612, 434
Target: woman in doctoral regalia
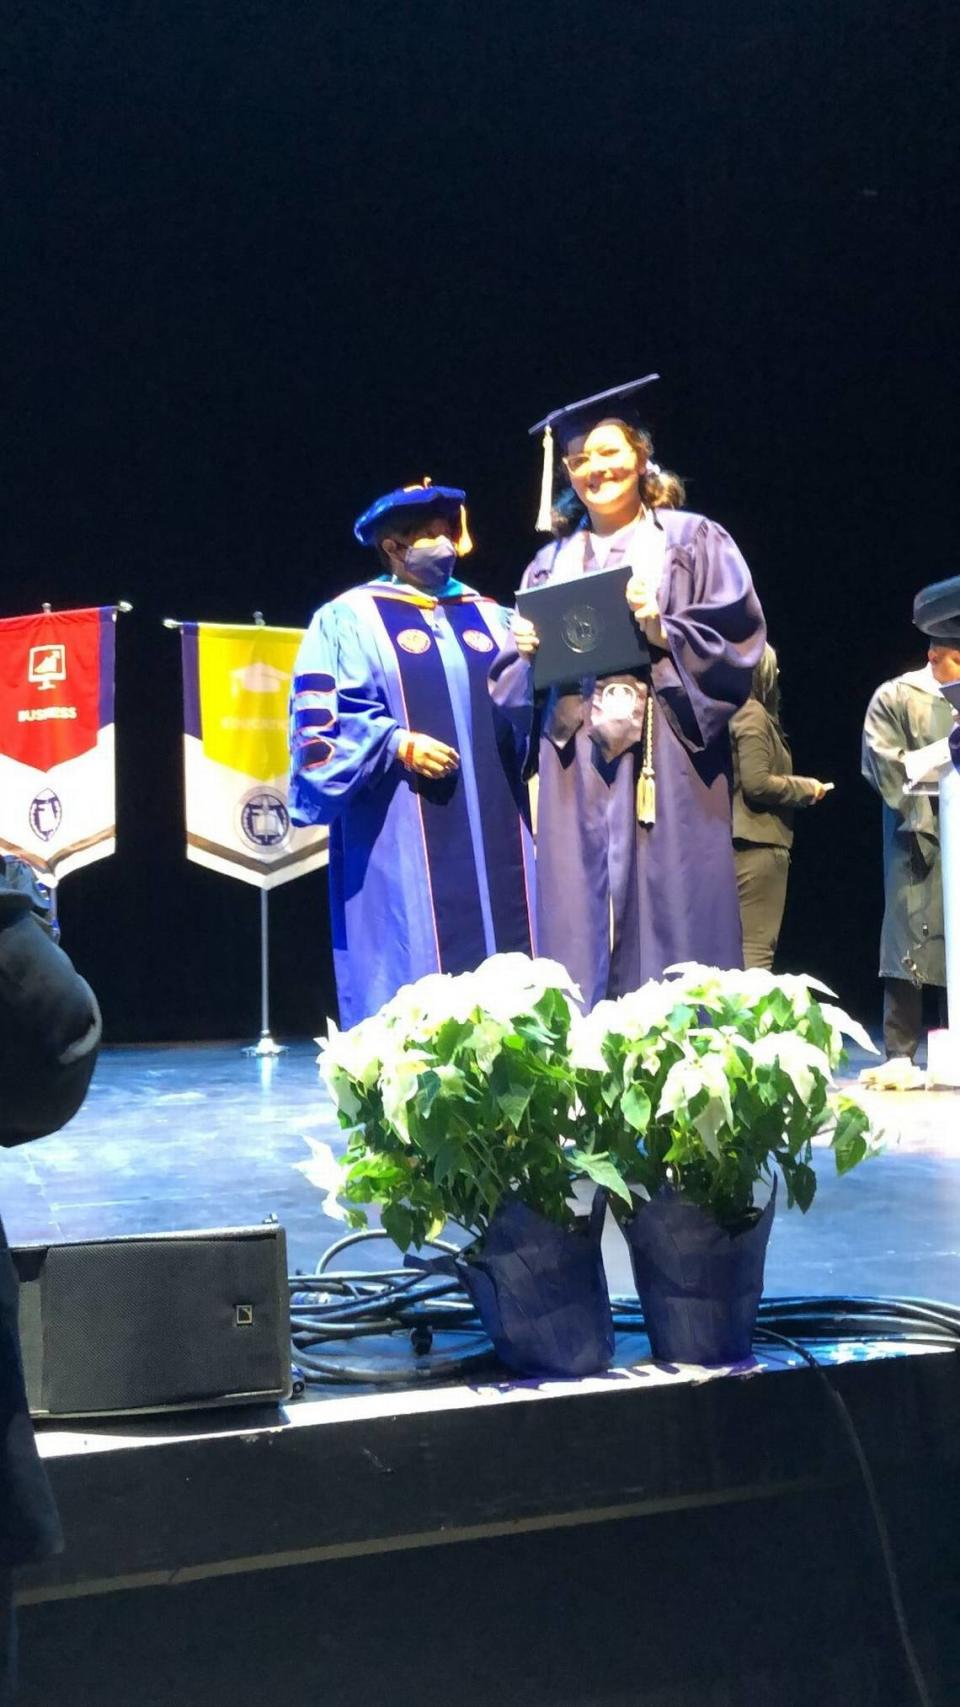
395, 745
635, 864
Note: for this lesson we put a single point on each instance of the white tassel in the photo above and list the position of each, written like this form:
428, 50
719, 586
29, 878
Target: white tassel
544, 523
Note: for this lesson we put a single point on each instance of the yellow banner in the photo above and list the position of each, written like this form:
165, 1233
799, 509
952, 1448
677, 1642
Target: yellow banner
236, 689
244, 679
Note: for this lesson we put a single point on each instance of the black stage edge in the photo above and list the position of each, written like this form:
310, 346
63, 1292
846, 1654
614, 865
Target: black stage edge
674, 1538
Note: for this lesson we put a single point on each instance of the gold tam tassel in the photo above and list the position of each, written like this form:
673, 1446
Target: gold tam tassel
464, 543
646, 781
544, 522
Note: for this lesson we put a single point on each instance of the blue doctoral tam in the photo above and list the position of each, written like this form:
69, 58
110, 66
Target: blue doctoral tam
406, 505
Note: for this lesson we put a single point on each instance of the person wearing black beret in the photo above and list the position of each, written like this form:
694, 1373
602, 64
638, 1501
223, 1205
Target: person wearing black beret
906, 715
49, 1037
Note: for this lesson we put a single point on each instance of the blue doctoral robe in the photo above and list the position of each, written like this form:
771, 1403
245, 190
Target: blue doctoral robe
425, 875
618, 901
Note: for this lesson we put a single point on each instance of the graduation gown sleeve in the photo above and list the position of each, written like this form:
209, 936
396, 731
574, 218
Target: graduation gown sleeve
511, 677
714, 627
343, 735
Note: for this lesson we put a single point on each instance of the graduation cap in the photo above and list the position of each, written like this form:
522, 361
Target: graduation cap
409, 504
574, 421
936, 611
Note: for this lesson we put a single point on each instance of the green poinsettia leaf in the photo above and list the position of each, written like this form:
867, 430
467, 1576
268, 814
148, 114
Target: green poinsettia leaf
374, 1174
348, 1102
450, 1036
635, 1107
397, 1223
447, 1161
514, 1102
429, 1089
801, 1182
603, 1170
850, 1141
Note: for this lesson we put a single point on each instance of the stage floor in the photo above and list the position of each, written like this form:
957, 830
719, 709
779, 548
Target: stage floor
183, 1136
483, 1502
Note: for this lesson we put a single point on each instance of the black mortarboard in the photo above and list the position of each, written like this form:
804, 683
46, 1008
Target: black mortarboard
936, 611
575, 420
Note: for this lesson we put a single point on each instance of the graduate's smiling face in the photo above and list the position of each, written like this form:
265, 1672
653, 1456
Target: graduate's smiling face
944, 662
605, 470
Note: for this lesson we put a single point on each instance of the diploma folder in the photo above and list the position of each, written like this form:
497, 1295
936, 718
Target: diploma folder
586, 628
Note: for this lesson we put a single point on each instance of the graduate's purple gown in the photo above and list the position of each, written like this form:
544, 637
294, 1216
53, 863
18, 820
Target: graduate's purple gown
665, 892
425, 876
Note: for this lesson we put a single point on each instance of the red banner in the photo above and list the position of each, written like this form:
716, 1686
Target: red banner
57, 739
50, 686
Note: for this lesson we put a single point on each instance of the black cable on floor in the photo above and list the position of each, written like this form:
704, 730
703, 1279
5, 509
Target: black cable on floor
331, 1307
378, 1372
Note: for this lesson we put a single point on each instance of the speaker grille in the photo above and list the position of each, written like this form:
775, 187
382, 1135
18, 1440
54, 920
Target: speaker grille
158, 1323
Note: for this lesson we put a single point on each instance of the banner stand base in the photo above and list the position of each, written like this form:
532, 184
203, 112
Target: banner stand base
266, 1046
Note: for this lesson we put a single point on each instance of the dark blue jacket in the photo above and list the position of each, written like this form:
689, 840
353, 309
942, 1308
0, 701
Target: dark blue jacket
49, 1035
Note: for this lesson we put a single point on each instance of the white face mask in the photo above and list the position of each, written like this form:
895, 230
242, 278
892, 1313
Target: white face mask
430, 565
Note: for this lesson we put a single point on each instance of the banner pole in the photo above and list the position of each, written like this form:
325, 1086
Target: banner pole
264, 963
266, 1045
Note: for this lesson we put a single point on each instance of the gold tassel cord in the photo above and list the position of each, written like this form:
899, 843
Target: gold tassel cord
646, 781
544, 522
464, 542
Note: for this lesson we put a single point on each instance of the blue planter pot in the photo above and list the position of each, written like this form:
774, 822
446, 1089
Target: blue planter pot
539, 1290
699, 1284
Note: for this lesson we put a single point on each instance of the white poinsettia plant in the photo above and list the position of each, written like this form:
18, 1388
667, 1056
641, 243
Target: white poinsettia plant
457, 1092
710, 1081
462, 1090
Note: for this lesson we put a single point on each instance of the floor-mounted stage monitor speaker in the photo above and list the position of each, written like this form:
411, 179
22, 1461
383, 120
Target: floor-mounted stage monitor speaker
155, 1322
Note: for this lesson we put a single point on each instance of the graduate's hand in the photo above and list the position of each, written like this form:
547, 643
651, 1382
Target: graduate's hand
426, 756
524, 634
643, 597
820, 789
